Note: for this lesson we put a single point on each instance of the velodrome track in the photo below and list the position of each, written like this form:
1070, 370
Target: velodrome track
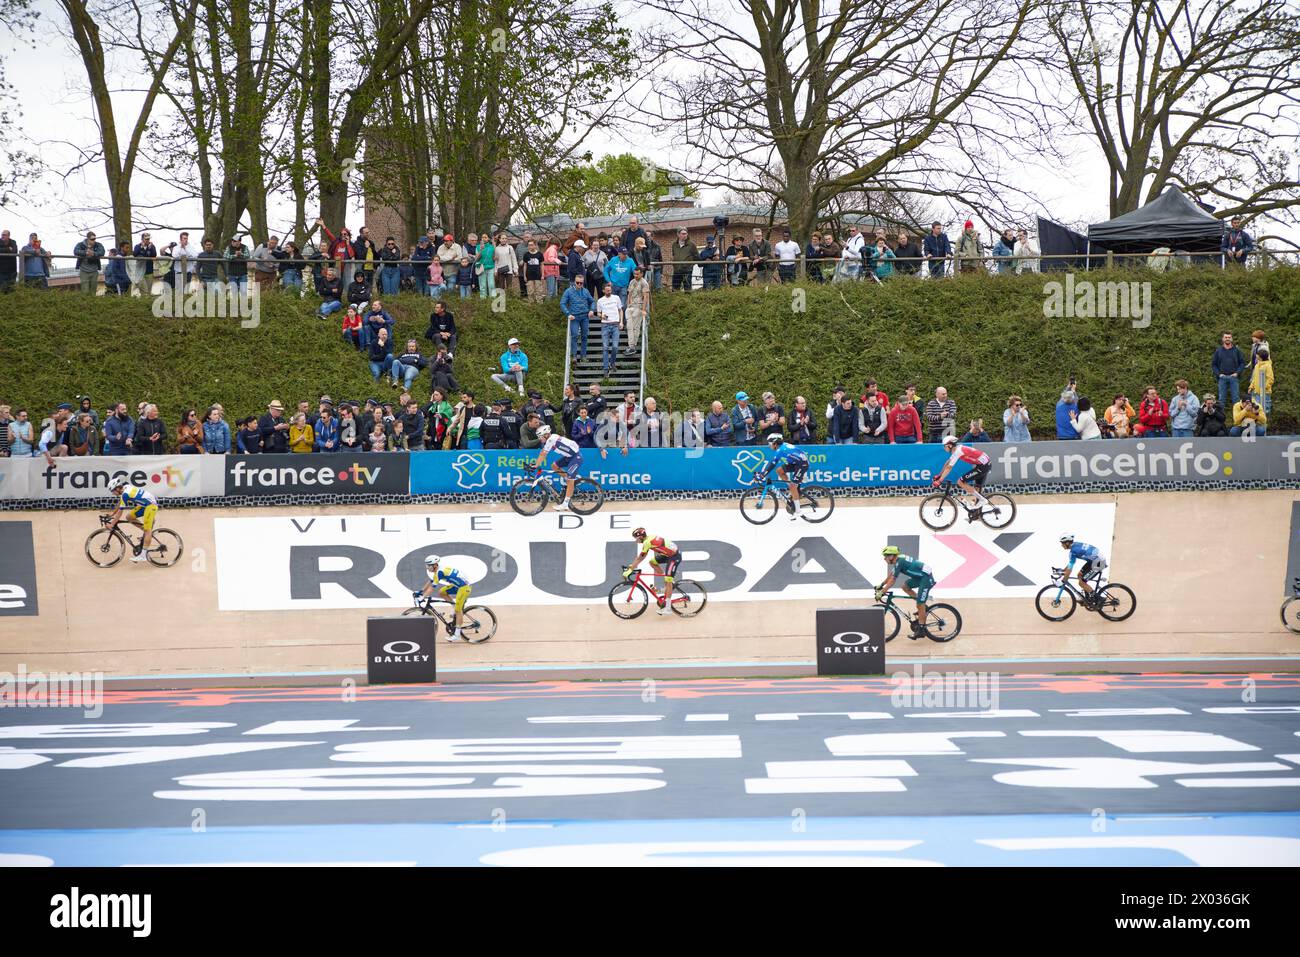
1163, 770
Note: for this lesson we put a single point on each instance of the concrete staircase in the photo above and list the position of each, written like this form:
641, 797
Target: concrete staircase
627, 370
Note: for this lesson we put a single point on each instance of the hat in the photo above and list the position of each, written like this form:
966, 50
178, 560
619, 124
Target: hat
372, 401
65, 406
326, 400
448, 238
534, 394
513, 342
500, 402
622, 249
275, 404
968, 225
742, 396
579, 244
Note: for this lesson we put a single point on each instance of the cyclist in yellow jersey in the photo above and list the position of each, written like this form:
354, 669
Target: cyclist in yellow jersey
450, 584
137, 505
659, 549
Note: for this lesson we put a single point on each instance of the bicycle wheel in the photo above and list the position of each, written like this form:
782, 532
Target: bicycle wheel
942, 622
1116, 602
105, 548
999, 512
529, 496
820, 502
167, 548
689, 598
893, 622
479, 624
1053, 606
938, 511
758, 507
628, 599
1291, 614
588, 495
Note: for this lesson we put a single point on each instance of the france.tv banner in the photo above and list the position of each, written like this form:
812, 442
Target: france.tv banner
494, 471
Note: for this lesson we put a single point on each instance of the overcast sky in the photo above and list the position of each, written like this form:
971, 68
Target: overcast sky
49, 82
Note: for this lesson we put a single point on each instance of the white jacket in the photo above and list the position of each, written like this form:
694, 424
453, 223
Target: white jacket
506, 259
1027, 254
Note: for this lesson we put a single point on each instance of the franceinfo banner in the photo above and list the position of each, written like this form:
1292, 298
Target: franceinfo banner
1149, 462
375, 561
89, 477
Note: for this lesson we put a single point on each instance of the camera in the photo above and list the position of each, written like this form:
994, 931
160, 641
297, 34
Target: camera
721, 222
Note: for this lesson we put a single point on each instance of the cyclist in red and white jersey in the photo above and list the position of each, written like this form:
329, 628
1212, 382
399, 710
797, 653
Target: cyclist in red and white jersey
978, 461
568, 462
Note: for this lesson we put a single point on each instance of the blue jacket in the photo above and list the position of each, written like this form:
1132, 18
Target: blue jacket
509, 358
216, 437
936, 247
1064, 427
584, 432
1000, 248
465, 275
1228, 362
619, 271
574, 265
1236, 237
88, 257
739, 429
717, 429
422, 254
115, 271
326, 433
116, 433
576, 302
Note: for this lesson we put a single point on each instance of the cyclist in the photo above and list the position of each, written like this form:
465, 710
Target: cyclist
448, 583
979, 462
791, 464
136, 505
659, 549
917, 580
568, 463
1094, 562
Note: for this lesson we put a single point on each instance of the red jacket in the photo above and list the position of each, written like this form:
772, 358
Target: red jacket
904, 422
1154, 415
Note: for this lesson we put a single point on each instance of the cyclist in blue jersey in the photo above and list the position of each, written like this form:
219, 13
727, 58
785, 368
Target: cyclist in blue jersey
1094, 562
916, 578
568, 462
135, 505
448, 583
791, 464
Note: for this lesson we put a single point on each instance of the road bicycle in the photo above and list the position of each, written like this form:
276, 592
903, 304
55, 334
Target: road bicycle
105, 547
768, 495
942, 622
1291, 609
1057, 601
532, 493
939, 510
479, 624
631, 596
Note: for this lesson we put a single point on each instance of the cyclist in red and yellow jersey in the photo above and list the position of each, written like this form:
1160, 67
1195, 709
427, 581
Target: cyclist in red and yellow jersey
661, 552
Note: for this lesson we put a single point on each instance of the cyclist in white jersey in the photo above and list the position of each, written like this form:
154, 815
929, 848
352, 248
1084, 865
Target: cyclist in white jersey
979, 463
568, 462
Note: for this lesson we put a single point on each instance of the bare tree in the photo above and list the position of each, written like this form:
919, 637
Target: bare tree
1199, 94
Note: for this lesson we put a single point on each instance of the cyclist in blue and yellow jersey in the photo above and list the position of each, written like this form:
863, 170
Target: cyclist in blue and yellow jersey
136, 505
791, 464
568, 462
916, 578
1094, 562
448, 583
662, 550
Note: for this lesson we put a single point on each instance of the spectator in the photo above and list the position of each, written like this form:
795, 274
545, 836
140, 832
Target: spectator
346, 429
574, 263
610, 309
119, 432
412, 422
717, 426
1183, 408
1066, 410
377, 440
909, 254
787, 258
1015, 421
618, 274
583, 429
236, 263
1210, 421
637, 311
248, 440
89, 253
870, 387
530, 269
1085, 420
760, 255
380, 355
655, 275
83, 436
354, 330
440, 372
854, 244
408, 365
1236, 245
150, 433
1257, 342
189, 434
640, 253
578, 306
771, 417
1153, 415
744, 421
5, 420
528, 432
970, 249
520, 251
210, 267
940, 415
331, 290
437, 416
272, 428
882, 259
1119, 417
1004, 252
976, 432
537, 403
465, 277
904, 421
216, 433
653, 429
689, 432
711, 270
849, 267
449, 253
54, 436
117, 281
8, 261
36, 263
596, 403
486, 270
184, 261
22, 442
1026, 253
266, 267
873, 419
508, 264
390, 267
812, 260
358, 291
843, 426
551, 269
1248, 418
594, 261
632, 233
569, 408
325, 431
290, 263
803, 424
514, 366
145, 252
442, 328
1227, 365
376, 318
1261, 381
628, 419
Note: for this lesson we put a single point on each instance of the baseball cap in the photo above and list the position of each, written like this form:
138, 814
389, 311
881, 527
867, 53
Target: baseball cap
448, 237
579, 244
513, 342
742, 396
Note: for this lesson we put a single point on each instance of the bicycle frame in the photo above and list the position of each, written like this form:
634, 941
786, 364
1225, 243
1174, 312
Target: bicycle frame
648, 583
545, 478
890, 601
1066, 584
776, 487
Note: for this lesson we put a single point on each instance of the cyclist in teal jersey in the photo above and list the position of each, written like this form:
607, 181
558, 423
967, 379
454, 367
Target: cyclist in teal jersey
915, 577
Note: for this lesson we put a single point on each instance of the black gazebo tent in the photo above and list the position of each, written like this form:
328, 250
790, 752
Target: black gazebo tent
1171, 219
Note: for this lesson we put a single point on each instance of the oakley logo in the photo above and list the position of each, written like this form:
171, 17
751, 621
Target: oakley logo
851, 638
395, 648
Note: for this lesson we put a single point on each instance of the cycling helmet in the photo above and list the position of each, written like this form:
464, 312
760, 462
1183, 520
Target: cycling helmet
117, 483
775, 439
638, 533
950, 440
889, 550
1067, 537
543, 431
431, 559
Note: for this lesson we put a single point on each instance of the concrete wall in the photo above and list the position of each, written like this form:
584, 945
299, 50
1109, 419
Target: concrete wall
1207, 569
